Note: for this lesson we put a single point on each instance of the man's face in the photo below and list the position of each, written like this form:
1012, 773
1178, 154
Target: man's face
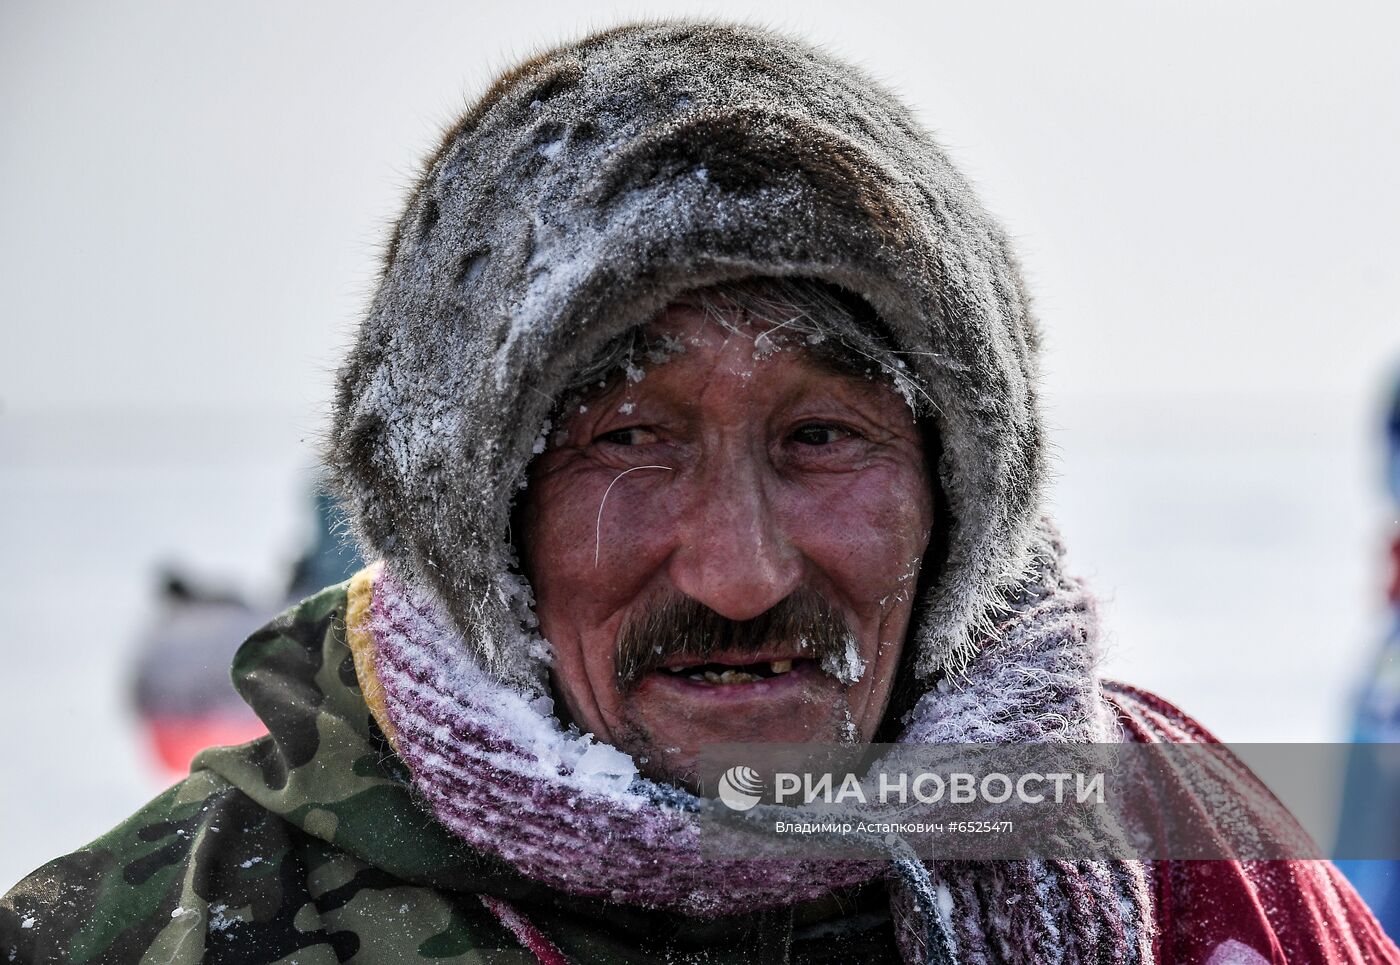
727, 549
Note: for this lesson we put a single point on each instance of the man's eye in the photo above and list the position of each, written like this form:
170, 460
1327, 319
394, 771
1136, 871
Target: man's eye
818, 434
631, 436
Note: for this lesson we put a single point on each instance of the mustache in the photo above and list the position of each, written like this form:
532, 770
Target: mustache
681, 627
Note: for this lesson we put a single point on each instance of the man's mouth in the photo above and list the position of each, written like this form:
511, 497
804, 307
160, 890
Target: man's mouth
726, 673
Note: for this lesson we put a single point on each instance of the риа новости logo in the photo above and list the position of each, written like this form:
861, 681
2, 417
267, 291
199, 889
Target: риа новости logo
740, 787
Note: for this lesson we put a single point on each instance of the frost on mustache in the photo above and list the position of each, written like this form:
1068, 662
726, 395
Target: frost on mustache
846, 666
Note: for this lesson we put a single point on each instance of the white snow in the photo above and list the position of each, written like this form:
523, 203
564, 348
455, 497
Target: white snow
1232, 952
945, 901
218, 920
541, 440
847, 666
605, 768
515, 592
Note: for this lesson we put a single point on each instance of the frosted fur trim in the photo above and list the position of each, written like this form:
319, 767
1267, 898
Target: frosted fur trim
588, 187
495, 766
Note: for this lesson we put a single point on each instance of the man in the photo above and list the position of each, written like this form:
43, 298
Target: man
697, 403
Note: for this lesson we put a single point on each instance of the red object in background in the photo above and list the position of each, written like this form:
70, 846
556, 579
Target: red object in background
181, 687
178, 739
1395, 571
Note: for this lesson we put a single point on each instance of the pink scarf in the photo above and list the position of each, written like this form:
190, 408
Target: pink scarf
496, 767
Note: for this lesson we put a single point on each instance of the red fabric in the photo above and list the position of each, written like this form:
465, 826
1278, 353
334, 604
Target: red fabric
1247, 912
524, 930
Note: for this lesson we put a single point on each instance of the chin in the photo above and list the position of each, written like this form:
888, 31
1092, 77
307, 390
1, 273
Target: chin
668, 746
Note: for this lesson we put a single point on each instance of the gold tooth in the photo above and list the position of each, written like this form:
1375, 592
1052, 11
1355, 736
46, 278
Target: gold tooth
780, 666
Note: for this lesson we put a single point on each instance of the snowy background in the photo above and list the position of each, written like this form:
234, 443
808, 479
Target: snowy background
192, 198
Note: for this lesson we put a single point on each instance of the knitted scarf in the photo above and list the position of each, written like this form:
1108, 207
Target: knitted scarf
496, 767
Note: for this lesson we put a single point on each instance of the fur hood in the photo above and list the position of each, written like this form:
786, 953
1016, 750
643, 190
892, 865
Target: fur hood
590, 185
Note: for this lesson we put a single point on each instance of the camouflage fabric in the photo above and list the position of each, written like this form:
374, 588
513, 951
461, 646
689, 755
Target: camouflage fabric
307, 846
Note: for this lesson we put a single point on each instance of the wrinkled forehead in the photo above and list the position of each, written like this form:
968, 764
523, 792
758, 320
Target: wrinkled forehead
799, 321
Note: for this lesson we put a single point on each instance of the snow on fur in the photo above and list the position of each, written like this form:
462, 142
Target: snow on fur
585, 190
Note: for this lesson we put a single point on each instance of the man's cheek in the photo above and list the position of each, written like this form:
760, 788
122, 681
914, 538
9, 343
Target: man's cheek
870, 532
604, 522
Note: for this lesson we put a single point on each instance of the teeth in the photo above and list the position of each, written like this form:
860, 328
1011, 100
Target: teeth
726, 677
731, 676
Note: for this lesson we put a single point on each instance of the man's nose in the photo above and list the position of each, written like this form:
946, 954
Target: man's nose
733, 555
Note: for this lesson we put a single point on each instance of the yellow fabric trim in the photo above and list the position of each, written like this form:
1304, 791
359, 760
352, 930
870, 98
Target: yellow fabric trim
360, 639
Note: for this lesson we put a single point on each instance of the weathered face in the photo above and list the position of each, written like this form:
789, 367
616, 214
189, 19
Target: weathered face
726, 550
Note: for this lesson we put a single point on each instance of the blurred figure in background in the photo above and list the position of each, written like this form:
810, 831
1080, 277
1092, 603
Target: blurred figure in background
183, 692
1378, 722
1393, 437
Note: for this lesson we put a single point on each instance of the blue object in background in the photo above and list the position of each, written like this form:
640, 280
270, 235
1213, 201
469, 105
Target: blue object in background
1378, 721
331, 555
1392, 435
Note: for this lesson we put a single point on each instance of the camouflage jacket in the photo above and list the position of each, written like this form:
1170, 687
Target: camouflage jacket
307, 846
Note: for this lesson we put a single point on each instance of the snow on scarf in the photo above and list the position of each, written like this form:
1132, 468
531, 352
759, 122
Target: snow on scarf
496, 767
585, 190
